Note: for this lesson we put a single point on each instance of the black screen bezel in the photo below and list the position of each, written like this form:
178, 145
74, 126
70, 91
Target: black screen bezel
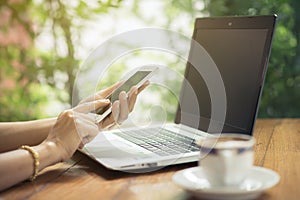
245, 22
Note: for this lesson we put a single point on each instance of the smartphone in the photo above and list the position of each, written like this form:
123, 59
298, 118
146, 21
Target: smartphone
134, 78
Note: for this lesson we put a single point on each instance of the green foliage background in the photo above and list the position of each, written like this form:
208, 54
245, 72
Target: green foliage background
31, 78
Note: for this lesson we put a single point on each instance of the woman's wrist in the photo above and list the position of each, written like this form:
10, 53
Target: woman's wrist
49, 154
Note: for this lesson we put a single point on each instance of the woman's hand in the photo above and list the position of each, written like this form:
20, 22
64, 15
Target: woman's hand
120, 108
74, 128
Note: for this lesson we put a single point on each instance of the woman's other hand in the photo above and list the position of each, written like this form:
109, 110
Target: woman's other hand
74, 128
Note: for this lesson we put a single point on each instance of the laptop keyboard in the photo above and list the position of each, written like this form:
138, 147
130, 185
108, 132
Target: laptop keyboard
160, 141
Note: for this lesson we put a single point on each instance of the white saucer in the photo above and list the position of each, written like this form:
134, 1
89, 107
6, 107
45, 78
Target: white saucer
257, 181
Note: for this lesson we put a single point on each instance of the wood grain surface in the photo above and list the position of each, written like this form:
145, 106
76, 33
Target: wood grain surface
277, 147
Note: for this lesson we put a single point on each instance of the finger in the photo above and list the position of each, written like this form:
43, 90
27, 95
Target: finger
81, 145
91, 106
84, 141
86, 127
87, 118
142, 87
116, 111
107, 91
132, 96
112, 118
107, 121
123, 107
102, 93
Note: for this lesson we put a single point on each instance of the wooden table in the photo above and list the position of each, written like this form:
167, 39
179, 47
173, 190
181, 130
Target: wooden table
277, 148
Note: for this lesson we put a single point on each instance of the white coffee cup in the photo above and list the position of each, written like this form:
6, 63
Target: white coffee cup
227, 158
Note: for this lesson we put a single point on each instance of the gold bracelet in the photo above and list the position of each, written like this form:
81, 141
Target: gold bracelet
36, 161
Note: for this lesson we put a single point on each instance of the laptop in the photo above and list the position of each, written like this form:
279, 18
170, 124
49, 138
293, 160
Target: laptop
236, 50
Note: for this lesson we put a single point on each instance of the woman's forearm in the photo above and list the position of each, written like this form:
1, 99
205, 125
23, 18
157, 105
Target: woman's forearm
15, 134
18, 165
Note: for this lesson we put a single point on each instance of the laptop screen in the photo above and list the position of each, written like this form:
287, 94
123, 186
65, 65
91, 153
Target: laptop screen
239, 47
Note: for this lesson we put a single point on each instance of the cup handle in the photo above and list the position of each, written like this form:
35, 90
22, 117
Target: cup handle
227, 156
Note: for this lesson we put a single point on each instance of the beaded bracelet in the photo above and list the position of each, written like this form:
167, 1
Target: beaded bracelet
36, 161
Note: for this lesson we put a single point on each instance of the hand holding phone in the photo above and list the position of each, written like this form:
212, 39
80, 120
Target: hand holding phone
136, 78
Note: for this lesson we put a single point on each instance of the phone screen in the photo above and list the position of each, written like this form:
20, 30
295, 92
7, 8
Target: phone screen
132, 81
135, 79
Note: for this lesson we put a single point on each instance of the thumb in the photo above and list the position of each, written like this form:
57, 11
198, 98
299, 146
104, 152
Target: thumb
91, 106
